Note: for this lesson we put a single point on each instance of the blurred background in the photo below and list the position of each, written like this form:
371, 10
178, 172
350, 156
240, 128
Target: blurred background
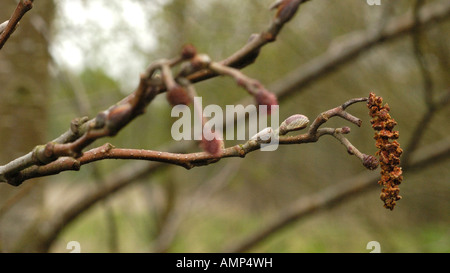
73, 58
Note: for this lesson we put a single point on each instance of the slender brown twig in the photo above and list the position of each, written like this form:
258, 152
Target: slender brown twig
112, 120
70, 135
125, 111
339, 193
6, 30
191, 160
354, 45
294, 82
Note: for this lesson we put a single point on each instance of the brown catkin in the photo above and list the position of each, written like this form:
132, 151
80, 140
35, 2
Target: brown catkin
389, 150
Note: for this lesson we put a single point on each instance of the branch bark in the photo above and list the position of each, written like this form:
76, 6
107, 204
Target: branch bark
294, 82
125, 111
188, 161
8, 27
318, 67
112, 120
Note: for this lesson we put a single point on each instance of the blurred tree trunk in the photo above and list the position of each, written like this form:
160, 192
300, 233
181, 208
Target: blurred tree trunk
24, 81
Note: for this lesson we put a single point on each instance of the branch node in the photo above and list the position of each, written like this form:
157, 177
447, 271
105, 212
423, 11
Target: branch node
76, 123
43, 154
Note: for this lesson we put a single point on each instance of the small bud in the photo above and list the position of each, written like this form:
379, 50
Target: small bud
370, 162
286, 9
264, 97
3, 26
178, 95
100, 120
117, 116
264, 136
200, 61
213, 146
188, 52
345, 130
293, 123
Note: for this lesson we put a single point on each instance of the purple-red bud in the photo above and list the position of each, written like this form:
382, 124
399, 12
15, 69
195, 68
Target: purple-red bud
178, 95
370, 162
213, 146
345, 130
264, 97
286, 9
188, 52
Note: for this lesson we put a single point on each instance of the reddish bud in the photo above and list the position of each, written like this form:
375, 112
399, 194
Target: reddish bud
345, 130
188, 52
213, 146
370, 162
264, 97
178, 95
286, 9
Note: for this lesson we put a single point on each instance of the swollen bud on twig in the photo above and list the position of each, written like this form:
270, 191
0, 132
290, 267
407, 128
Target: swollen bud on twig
345, 130
3, 26
213, 146
117, 116
264, 136
200, 61
178, 95
293, 123
188, 52
286, 9
264, 97
370, 162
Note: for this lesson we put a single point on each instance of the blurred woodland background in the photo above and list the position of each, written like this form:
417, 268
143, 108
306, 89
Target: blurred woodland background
282, 201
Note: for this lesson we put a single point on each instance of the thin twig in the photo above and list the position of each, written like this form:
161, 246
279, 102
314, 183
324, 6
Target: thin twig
323, 64
3, 26
353, 47
112, 120
22, 7
334, 195
250, 51
292, 83
191, 160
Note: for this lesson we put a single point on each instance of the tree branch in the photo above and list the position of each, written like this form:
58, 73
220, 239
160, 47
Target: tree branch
191, 160
241, 58
249, 52
357, 43
337, 194
8, 27
110, 121
405, 24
